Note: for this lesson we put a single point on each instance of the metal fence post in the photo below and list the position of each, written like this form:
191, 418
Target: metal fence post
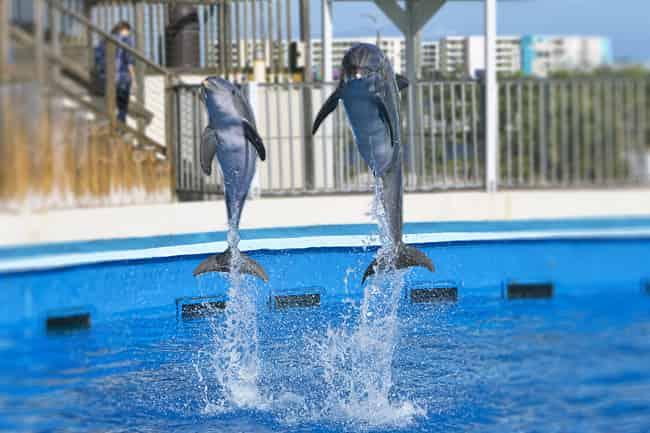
54, 17
251, 91
170, 127
88, 8
140, 45
326, 43
492, 99
39, 40
308, 117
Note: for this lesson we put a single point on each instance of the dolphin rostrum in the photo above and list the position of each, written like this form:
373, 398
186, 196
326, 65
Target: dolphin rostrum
370, 92
231, 135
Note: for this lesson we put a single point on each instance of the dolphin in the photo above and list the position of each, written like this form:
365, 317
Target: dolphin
232, 136
369, 90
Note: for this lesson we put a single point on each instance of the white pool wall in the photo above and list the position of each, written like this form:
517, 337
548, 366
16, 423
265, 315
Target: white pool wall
199, 217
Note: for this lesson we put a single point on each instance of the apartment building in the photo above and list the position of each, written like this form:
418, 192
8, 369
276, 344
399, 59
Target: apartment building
391, 46
429, 58
542, 55
465, 55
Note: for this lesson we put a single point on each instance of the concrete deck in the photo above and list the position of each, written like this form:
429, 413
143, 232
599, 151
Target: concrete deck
199, 217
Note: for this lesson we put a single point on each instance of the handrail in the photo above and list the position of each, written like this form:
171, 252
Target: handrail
26, 39
73, 69
105, 35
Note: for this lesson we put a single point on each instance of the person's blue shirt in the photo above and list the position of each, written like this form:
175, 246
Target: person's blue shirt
123, 60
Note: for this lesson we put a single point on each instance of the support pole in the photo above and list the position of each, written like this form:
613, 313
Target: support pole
90, 49
5, 19
39, 40
326, 44
171, 125
140, 45
410, 20
412, 67
228, 38
491, 99
308, 139
54, 17
289, 39
280, 50
109, 91
237, 7
246, 62
269, 38
251, 91
255, 55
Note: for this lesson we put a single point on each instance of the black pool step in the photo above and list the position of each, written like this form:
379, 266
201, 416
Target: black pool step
645, 285
198, 307
435, 294
530, 290
306, 300
64, 322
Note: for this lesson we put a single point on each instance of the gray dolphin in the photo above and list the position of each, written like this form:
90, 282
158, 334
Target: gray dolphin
231, 135
370, 92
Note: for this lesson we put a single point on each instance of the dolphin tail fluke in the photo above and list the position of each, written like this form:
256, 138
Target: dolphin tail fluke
222, 263
407, 256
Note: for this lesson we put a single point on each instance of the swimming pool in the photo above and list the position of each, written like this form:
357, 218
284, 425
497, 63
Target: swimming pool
526, 326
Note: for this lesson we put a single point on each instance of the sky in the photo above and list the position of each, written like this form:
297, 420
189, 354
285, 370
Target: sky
625, 22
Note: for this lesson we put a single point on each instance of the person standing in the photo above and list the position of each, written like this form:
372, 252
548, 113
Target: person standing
124, 69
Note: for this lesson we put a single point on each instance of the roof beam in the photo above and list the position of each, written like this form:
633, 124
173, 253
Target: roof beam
395, 13
424, 10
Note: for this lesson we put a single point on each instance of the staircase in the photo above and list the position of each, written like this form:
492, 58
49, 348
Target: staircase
62, 134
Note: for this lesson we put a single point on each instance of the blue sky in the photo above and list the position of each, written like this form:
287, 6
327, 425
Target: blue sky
626, 22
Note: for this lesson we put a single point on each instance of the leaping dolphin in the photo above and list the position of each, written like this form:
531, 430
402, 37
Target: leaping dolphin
231, 135
370, 92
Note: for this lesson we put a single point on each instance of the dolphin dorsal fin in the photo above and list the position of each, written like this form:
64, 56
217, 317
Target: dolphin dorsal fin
251, 135
208, 149
385, 117
402, 82
330, 105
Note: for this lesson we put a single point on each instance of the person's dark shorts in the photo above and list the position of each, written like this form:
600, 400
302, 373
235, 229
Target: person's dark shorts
123, 94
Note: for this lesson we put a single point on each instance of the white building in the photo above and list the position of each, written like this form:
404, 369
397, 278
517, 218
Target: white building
391, 46
429, 57
544, 54
466, 55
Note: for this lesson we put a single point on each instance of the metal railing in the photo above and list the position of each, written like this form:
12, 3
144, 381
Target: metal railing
554, 133
44, 64
263, 27
447, 149
573, 132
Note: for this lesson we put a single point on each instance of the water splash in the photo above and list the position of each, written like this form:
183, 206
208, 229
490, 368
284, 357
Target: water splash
233, 356
357, 360
353, 359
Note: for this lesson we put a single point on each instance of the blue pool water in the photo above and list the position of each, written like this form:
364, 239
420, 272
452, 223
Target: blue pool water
364, 359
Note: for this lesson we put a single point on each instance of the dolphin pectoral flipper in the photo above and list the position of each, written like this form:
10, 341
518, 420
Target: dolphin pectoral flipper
385, 117
251, 135
402, 82
208, 149
330, 105
407, 257
222, 263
